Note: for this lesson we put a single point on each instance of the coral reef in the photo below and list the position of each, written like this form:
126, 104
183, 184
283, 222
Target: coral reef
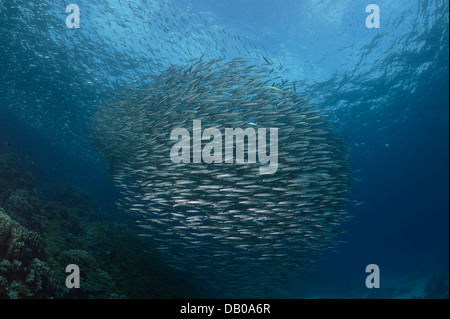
22, 275
42, 230
16, 241
96, 283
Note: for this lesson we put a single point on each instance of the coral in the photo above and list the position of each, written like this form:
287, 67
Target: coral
5, 266
42, 231
94, 282
22, 205
55, 244
78, 257
22, 274
17, 290
68, 217
17, 193
3, 283
38, 277
17, 265
18, 242
19, 200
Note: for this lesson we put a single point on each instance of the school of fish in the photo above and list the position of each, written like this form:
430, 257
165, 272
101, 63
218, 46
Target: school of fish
226, 225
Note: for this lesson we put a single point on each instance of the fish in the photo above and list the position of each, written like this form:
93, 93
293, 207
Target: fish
265, 59
225, 222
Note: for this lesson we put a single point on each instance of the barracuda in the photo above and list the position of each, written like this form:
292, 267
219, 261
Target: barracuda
202, 215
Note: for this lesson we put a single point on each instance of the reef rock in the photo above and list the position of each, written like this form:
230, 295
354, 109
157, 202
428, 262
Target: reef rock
16, 242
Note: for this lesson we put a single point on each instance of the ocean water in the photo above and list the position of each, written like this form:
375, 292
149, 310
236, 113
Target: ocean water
385, 88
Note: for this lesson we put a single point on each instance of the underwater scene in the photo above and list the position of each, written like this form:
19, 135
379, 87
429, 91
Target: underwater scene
206, 149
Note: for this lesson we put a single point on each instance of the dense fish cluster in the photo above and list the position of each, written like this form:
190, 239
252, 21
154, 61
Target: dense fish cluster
223, 220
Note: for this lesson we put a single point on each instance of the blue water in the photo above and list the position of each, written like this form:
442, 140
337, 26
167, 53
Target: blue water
387, 88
